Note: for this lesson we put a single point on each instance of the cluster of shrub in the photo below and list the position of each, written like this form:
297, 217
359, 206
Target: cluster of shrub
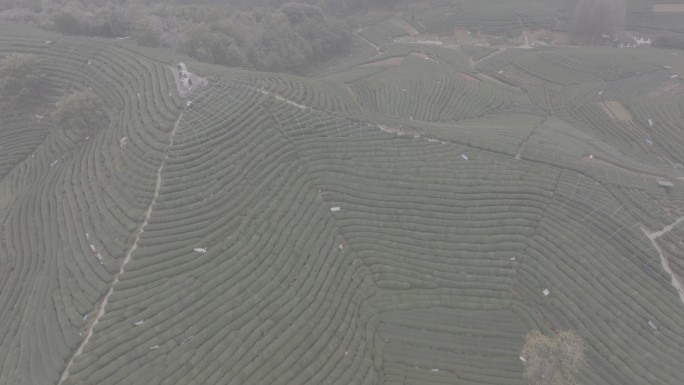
23, 84
272, 35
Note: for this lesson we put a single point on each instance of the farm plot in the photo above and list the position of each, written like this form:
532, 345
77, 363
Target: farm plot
653, 84
575, 67
661, 118
487, 17
652, 206
71, 207
278, 234
443, 346
397, 53
557, 80
494, 63
561, 144
324, 94
624, 135
409, 255
433, 93
608, 234
20, 135
503, 133
268, 297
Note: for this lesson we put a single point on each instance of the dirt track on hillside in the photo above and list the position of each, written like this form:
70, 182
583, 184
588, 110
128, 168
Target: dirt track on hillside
127, 258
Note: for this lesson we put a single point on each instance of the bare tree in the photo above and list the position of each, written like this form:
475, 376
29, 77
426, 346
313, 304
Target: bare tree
553, 360
596, 19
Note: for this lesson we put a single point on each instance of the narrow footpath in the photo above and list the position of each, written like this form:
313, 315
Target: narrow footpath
676, 281
127, 258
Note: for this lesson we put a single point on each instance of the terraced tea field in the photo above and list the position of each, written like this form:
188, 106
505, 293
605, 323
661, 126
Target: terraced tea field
388, 224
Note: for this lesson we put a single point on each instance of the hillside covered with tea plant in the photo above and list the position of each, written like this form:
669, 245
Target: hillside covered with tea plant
406, 216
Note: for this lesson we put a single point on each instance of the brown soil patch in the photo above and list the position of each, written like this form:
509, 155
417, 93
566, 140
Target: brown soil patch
420, 55
390, 61
668, 8
403, 24
617, 111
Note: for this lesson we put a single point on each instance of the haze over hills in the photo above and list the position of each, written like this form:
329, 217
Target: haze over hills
403, 215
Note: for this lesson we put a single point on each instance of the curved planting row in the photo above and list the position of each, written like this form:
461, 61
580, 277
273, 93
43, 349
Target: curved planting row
20, 134
665, 126
400, 51
418, 232
319, 93
624, 135
71, 206
323, 93
444, 346
561, 144
602, 275
502, 133
558, 97
494, 63
652, 207
21, 129
568, 67
432, 93
430, 241
400, 213
238, 276
274, 239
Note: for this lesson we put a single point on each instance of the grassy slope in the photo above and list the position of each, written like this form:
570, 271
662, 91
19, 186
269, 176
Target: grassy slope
434, 261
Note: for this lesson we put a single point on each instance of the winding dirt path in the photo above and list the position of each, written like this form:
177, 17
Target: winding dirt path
667, 229
653, 236
127, 258
283, 99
